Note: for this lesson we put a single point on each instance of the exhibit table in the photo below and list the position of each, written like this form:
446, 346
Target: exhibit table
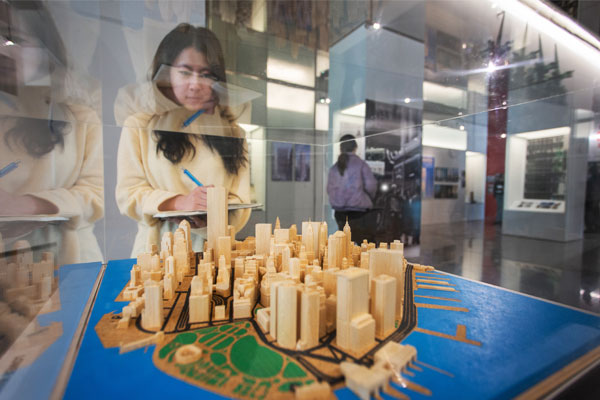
473, 341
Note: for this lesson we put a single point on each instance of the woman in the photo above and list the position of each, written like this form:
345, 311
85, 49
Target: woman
51, 148
351, 187
176, 122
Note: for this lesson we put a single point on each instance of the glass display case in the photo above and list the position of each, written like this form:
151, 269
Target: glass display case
474, 125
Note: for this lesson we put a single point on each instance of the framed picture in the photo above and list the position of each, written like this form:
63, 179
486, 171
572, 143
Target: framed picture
302, 162
281, 166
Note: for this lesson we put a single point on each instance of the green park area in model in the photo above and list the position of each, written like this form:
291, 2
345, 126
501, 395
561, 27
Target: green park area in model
233, 361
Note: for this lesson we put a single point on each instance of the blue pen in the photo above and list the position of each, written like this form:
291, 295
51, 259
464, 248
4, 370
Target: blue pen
192, 177
9, 167
191, 119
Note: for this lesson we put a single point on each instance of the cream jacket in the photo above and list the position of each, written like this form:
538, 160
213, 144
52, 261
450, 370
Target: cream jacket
145, 178
70, 177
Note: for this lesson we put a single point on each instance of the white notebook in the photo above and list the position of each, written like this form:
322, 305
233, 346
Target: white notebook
232, 207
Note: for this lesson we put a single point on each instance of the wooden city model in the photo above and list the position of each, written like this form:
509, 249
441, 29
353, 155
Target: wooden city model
26, 290
301, 290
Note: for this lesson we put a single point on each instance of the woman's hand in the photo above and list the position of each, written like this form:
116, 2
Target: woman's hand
195, 200
24, 205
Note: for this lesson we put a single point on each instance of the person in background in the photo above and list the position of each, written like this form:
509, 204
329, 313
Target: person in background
351, 188
176, 121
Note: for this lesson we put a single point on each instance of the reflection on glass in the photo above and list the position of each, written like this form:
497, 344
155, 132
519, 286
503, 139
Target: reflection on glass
51, 178
51, 191
181, 119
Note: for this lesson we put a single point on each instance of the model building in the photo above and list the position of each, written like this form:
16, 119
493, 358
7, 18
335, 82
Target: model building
306, 294
28, 288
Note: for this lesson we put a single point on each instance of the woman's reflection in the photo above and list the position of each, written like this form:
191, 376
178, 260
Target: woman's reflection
51, 188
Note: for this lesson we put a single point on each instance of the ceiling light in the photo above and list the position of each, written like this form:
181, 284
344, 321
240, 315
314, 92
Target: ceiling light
376, 25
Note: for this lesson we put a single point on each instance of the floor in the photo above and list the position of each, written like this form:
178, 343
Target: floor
567, 273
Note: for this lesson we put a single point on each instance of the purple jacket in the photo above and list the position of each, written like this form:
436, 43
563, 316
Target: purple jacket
355, 190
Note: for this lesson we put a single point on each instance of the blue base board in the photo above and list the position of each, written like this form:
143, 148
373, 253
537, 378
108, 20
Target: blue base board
522, 340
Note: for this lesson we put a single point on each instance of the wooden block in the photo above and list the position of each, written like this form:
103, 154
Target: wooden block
383, 304
132, 293
242, 308
156, 276
123, 323
322, 237
352, 301
365, 382
263, 318
395, 356
224, 248
352, 293
144, 260
294, 269
263, 239
231, 232
330, 281
199, 308
219, 313
362, 334
168, 286
287, 300
239, 268
330, 311
397, 245
152, 315
336, 250
389, 262
180, 252
216, 218
282, 236
309, 319
323, 319
348, 240
273, 306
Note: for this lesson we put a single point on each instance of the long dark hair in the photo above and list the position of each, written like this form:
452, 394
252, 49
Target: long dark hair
347, 145
39, 137
177, 145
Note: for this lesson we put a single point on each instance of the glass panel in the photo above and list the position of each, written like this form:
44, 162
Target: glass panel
469, 130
